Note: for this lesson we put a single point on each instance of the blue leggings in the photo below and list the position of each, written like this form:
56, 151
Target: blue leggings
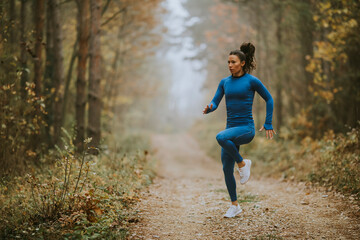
230, 140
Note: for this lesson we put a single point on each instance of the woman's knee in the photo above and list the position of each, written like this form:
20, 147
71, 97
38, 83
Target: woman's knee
244, 138
220, 138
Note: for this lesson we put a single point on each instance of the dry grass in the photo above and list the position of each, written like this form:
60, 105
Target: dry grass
79, 195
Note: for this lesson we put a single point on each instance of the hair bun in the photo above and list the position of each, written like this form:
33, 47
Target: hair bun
249, 51
248, 48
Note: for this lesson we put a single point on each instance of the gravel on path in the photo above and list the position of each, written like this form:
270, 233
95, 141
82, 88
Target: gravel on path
188, 199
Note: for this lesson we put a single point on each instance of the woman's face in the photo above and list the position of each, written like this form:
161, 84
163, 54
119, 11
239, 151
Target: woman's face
235, 65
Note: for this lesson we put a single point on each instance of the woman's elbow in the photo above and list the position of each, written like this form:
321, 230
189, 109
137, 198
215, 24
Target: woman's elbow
270, 101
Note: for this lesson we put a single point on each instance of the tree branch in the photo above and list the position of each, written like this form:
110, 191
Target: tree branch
105, 7
113, 16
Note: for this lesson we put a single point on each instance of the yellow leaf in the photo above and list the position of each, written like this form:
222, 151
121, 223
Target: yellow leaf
98, 211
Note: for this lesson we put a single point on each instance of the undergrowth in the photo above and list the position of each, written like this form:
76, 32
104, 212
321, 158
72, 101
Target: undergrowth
77, 196
332, 161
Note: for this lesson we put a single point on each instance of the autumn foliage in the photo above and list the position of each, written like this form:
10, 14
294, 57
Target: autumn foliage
72, 73
64, 66
80, 196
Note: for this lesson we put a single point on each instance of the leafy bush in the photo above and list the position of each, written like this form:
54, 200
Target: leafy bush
21, 118
339, 164
80, 197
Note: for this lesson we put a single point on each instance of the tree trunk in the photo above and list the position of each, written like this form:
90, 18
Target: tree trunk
83, 35
12, 19
38, 35
307, 27
69, 77
94, 94
258, 21
58, 69
23, 58
48, 75
279, 63
113, 85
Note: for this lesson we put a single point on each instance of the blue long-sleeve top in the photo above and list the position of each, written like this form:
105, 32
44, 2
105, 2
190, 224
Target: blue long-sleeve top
239, 96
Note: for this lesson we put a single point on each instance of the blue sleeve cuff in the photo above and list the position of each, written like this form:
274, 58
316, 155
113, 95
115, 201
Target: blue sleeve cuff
268, 126
213, 108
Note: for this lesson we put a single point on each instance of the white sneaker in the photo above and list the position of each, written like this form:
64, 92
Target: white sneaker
245, 171
233, 211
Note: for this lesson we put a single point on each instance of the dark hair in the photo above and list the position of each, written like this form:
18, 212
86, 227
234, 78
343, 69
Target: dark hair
246, 53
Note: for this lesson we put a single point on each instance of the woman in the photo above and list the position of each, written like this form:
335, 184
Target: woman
239, 90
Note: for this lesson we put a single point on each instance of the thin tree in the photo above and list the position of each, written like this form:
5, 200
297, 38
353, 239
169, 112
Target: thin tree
49, 73
38, 35
12, 19
23, 58
58, 68
279, 62
83, 36
94, 93
306, 28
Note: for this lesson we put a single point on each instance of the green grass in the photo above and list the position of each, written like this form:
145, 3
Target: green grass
248, 198
242, 196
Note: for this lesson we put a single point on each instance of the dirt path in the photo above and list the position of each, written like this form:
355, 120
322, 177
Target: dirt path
189, 198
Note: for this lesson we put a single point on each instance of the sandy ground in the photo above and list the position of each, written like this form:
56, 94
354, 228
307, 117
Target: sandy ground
189, 197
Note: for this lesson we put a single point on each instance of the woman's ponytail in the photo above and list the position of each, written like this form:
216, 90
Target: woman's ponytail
249, 50
246, 53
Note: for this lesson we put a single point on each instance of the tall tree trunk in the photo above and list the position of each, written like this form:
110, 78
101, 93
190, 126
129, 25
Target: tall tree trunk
38, 34
307, 27
23, 58
58, 69
12, 19
83, 35
279, 63
113, 85
258, 21
94, 94
49, 73
110, 85
69, 77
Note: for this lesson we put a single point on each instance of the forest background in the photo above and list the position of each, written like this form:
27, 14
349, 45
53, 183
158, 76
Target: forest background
85, 82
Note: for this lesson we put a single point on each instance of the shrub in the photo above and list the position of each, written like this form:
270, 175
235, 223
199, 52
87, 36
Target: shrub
21, 119
339, 164
81, 196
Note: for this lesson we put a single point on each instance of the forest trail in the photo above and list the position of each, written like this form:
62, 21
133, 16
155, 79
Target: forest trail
188, 199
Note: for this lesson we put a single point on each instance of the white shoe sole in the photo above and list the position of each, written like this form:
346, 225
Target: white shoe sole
234, 214
249, 162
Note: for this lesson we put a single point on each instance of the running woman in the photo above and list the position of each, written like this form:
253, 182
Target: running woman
239, 89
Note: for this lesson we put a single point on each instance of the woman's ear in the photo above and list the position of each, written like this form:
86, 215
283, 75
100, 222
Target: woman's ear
242, 63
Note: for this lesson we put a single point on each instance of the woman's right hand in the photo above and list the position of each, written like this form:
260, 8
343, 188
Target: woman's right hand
269, 133
207, 109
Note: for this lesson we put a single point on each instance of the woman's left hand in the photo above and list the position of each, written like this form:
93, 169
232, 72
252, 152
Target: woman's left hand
269, 133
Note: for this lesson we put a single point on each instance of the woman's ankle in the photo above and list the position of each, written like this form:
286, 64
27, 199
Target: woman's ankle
241, 164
